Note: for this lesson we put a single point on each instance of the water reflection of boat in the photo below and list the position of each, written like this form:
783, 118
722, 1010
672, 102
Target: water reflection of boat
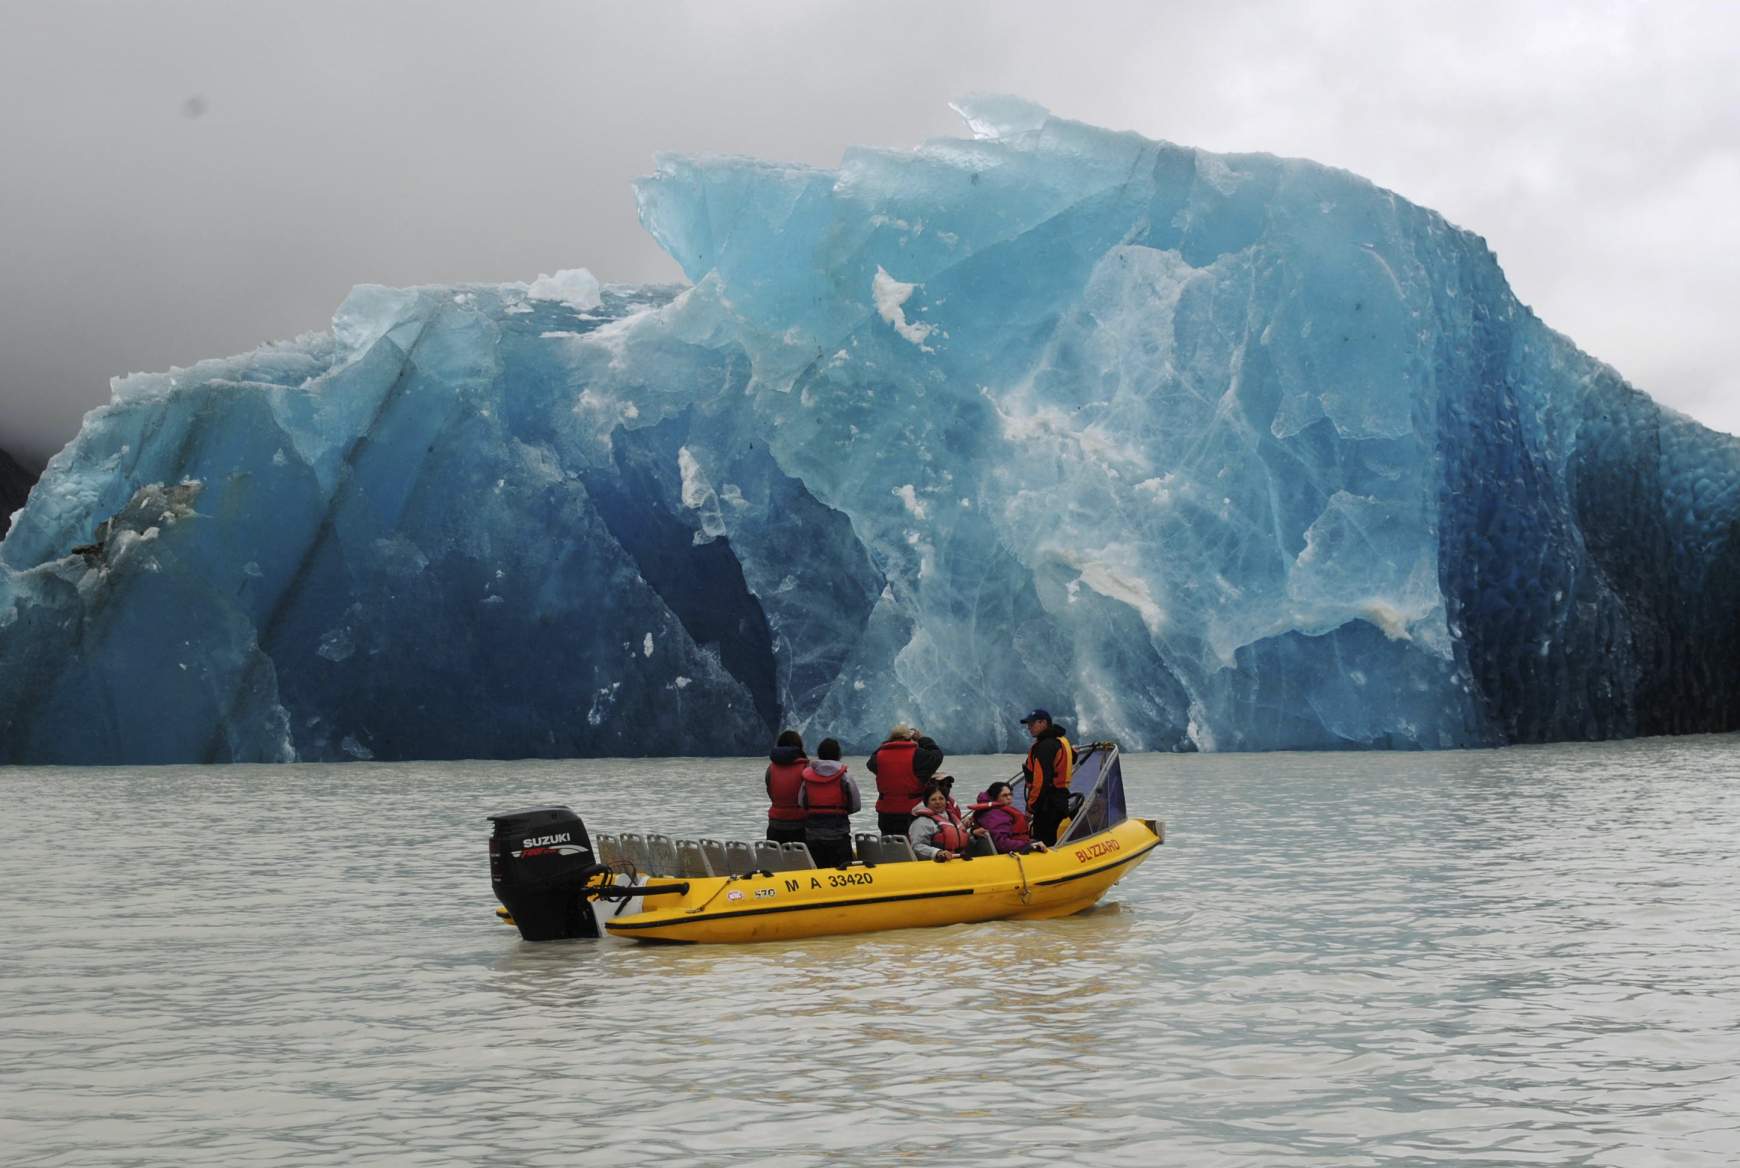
549, 876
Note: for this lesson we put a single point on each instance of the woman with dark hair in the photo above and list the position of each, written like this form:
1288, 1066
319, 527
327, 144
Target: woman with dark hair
829, 799
1006, 823
937, 833
785, 769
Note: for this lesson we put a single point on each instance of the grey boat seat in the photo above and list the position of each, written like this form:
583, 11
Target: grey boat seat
692, 860
635, 851
662, 856
715, 853
896, 849
797, 857
608, 850
740, 858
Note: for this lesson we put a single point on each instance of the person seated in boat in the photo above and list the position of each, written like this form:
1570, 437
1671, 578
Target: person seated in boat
947, 785
785, 769
829, 798
1005, 823
901, 765
936, 833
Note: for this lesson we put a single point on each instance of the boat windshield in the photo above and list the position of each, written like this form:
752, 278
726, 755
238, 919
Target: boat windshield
1099, 781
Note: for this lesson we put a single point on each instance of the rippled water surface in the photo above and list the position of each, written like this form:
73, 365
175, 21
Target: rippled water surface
1527, 956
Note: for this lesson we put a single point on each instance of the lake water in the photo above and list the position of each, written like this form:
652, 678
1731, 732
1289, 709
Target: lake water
1527, 956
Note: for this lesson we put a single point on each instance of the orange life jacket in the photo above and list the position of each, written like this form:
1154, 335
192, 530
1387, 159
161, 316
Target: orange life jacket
1036, 773
950, 836
897, 785
782, 787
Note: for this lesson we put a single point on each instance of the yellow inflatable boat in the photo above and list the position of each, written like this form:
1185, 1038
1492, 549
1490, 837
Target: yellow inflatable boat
549, 877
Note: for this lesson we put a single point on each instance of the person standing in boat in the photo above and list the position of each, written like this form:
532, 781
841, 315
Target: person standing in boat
785, 769
901, 765
829, 798
937, 833
1050, 761
1005, 823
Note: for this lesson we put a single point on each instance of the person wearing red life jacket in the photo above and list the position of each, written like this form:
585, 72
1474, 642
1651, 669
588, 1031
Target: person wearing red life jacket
1050, 761
936, 834
901, 766
1005, 823
947, 783
785, 768
829, 799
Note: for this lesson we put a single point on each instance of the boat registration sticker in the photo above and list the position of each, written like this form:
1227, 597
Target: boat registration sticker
733, 895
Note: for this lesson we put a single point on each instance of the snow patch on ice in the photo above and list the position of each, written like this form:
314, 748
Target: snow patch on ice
576, 287
890, 294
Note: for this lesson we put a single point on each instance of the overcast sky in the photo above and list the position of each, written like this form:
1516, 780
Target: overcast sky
184, 180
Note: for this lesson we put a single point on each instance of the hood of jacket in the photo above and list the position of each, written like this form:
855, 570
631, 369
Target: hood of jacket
1054, 730
824, 769
786, 755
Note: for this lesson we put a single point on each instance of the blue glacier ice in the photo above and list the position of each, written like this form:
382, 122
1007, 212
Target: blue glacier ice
1199, 451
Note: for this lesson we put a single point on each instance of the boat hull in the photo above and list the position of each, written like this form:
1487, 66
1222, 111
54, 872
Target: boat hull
819, 902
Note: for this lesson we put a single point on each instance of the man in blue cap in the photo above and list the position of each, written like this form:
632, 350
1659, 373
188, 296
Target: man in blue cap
1049, 762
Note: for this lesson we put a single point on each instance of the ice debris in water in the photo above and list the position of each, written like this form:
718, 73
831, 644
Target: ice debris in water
1214, 451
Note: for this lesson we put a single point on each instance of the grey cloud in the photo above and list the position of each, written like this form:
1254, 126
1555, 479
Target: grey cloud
408, 143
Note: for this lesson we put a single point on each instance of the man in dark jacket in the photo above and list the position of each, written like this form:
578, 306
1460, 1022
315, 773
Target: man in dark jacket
1050, 762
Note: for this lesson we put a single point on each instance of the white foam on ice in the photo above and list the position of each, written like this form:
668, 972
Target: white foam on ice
908, 495
890, 295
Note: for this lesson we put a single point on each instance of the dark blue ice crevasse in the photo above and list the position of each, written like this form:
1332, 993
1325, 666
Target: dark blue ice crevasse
1199, 451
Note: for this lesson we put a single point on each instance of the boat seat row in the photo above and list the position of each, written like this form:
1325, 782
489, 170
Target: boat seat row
660, 855
884, 849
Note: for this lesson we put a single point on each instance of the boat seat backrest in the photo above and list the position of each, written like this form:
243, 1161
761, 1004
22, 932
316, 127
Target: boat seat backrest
797, 856
982, 846
739, 858
768, 855
608, 850
662, 855
715, 853
692, 860
636, 852
869, 847
897, 849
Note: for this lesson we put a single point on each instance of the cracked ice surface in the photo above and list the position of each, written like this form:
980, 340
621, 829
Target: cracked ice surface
1207, 451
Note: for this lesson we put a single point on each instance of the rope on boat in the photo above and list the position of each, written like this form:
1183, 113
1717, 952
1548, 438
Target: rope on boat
702, 907
1026, 888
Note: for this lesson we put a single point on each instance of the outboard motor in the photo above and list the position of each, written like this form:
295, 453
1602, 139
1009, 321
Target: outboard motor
540, 861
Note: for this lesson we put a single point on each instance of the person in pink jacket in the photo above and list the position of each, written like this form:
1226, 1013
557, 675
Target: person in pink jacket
1003, 821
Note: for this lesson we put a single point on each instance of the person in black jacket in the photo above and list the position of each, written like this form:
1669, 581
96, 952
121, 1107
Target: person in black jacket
927, 759
1048, 767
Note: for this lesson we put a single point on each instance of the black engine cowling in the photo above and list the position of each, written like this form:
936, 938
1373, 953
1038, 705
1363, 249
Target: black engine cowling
540, 860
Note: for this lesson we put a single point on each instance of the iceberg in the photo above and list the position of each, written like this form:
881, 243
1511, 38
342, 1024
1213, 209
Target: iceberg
1199, 451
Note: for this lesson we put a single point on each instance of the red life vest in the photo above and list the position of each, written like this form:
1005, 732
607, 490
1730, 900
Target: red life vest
1017, 817
782, 789
950, 835
826, 795
897, 785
